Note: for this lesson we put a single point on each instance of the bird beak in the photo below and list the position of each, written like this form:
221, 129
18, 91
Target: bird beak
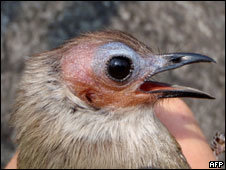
170, 61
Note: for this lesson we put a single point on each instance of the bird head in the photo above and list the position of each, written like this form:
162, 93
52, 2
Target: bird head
113, 69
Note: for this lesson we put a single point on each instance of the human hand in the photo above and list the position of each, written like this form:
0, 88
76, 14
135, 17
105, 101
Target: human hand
180, 121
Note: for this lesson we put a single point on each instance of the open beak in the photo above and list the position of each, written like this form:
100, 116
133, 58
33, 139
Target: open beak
170, 61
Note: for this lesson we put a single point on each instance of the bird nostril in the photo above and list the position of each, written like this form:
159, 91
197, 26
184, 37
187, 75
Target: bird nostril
177, 60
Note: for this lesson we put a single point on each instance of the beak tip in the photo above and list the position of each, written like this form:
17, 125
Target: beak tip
212, 60
212, 97
206, 96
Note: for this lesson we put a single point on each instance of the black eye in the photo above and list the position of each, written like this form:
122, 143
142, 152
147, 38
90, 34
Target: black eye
119, 68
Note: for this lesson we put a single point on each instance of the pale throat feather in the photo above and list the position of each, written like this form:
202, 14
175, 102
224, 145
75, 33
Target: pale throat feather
125, 137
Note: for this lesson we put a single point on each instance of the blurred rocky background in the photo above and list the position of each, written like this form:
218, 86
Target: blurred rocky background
32, 27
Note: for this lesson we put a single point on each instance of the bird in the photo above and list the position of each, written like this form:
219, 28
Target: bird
89, 104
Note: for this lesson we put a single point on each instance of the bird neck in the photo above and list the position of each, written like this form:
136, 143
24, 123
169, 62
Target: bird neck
127, 137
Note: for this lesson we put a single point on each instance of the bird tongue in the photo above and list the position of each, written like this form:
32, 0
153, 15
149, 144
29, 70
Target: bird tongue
164, 90
148, 86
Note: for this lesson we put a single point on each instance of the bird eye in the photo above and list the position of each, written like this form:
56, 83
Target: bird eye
119, 68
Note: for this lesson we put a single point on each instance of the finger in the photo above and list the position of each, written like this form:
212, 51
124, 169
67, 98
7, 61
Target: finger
13, 162
180, 121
